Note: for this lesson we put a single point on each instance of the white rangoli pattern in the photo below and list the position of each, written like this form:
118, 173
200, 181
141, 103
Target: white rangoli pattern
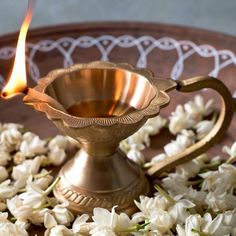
106, 43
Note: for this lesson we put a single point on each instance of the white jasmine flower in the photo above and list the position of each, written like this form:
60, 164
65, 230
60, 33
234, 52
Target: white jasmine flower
154, 125
4, 156
7, 190
183, 140
219, 226
229, 171
109, 223
197, 109
3, 206
147, 204
139, 139
58, 141
8, 126
62, 215
231, 151
34, 195
80, 225
102, 232
149, 233
219, 202
32, 147
123, 223
53, 229
8, 228
215, 226
49, 221
160, 220
21, 172
18, 209
175, 184
158, 158
190, 114
124, 146
59, 230
192, 226
19, 158
190, 168
210, 180
28, 136
198, 197
3, 173
207, 108
10, 139
105, 222
3, 217
37, 216
136, 156
203, 128
43, 179
220, 181
230, 220
179, 120
179, 211
155, 210
56, 156
173, 148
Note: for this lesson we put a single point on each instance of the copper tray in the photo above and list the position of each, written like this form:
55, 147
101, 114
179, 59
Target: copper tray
168, 50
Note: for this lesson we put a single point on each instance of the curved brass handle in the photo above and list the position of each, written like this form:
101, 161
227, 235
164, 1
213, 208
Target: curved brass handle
218, 131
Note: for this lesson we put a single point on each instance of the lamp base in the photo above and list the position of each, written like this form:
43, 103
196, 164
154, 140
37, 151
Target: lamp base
88, 182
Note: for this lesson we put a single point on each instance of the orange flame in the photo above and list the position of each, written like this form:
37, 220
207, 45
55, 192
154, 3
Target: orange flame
18, 82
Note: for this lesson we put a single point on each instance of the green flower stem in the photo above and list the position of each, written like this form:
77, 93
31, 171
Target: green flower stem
13, 219
50, 188
163, 193
23, 130
22, 190
45, 163
200, 233
41, 207
135, 228
47, 140
41, 175
212, 164
195, 182
10, 168
170, 233
231, 160
192, 211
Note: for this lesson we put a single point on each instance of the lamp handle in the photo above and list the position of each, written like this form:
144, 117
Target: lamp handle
217, 132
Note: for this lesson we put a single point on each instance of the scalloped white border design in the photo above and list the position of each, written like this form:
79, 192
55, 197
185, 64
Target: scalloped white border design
106, 43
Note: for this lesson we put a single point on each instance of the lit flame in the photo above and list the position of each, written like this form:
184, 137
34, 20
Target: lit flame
18, 82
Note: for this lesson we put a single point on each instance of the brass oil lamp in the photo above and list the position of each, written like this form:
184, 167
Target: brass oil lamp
101, 103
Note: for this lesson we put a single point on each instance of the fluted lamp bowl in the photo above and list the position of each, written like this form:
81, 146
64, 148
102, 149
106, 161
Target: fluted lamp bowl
99, 104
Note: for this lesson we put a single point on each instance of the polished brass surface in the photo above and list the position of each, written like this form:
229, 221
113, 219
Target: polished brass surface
215, 135
99, 104
100, 108
110, 103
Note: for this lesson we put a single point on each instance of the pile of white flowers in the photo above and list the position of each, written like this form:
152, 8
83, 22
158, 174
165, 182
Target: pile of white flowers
197, 199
